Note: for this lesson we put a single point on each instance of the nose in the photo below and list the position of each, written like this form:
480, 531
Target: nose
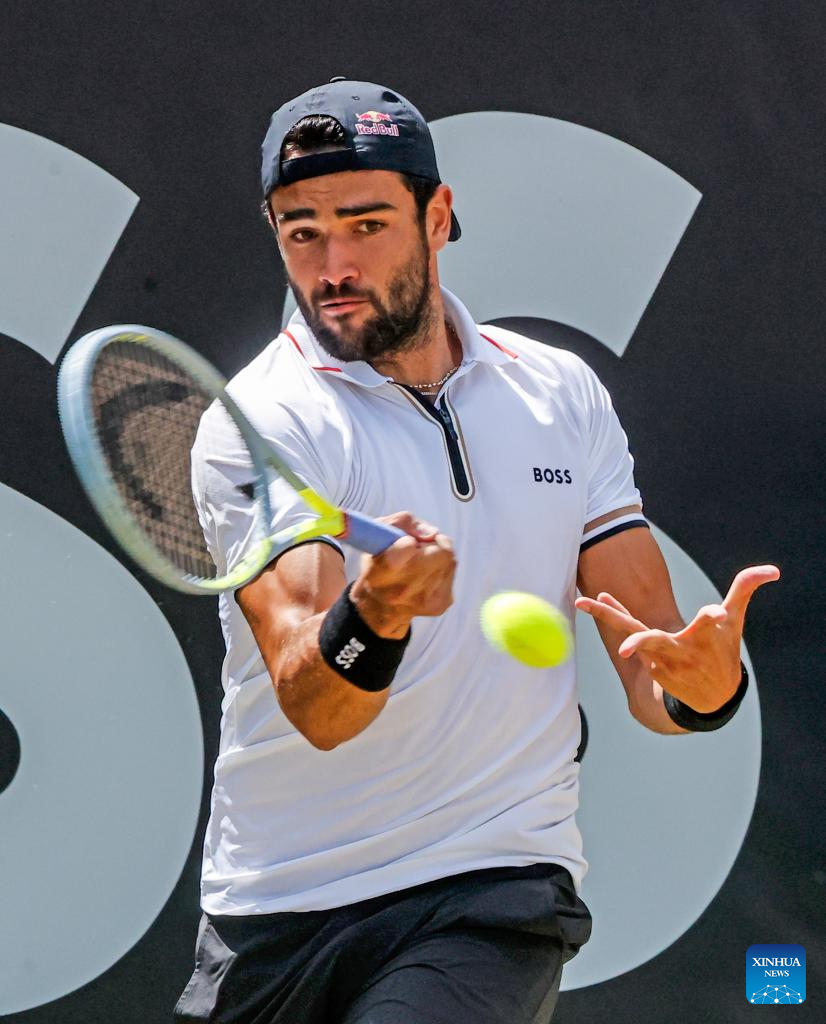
339, 265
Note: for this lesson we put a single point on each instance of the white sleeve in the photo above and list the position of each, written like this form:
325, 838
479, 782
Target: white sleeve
222, 468
610, 464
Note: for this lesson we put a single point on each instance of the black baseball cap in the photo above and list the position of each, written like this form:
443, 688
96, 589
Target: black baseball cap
382, 132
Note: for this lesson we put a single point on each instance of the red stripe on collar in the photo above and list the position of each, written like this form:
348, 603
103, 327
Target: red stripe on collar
507, 351
329, 369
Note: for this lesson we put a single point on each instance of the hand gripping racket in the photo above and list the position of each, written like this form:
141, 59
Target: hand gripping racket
131, 401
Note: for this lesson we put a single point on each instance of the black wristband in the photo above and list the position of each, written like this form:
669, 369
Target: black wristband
354, 651
698, 721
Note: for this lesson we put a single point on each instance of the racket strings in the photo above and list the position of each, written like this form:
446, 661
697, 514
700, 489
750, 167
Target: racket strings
147, 411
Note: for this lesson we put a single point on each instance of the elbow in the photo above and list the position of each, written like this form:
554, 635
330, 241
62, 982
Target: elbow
315, 728
324, 734
320, 742
320, 738
326, 712
317, 733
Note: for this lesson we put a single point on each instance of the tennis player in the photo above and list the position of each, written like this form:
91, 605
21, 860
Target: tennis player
392, 837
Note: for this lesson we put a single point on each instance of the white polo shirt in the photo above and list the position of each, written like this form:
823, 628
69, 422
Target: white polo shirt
471, 762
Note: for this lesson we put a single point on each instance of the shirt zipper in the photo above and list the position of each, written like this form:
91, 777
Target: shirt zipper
441, 414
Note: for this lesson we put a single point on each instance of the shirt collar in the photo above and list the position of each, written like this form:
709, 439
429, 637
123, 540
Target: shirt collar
476, 347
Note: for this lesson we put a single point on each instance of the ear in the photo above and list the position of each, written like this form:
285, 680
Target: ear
438, 217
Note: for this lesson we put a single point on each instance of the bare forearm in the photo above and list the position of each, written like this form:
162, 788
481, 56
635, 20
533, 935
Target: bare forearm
288, 608
625, 586
647, 705
321, 704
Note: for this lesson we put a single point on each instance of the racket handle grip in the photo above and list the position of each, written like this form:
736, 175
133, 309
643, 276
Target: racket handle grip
367, 535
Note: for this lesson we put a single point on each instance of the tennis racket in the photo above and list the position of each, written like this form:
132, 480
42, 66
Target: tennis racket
131, 402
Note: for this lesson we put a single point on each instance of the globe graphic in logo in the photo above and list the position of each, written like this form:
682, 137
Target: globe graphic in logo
777, 994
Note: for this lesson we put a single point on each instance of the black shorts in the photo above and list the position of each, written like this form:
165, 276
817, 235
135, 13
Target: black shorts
484, 947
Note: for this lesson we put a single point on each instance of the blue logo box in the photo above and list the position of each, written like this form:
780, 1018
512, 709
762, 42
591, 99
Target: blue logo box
776, 974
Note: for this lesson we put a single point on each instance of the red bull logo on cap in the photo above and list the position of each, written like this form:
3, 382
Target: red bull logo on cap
375, 122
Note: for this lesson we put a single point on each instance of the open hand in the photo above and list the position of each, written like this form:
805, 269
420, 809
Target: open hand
699, 664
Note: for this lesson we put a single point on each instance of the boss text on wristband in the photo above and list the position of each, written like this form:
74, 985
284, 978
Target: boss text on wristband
354, 651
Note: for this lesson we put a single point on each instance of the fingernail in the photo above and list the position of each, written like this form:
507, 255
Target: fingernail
426, 530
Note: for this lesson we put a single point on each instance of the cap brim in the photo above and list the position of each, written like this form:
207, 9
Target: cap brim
455, 230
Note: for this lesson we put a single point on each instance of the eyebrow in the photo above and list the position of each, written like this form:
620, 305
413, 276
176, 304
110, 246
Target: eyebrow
341, 211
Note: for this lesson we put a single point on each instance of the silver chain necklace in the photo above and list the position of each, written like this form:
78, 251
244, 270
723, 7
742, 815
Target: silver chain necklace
436, 384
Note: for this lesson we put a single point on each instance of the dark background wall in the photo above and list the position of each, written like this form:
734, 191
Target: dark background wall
721, 390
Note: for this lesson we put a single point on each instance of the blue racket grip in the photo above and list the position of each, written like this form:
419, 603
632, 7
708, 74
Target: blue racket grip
367, 535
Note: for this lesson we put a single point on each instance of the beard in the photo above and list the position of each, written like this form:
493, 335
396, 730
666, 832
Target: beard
398, 325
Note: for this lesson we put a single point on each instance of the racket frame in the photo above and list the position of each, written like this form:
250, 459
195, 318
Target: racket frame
78, 420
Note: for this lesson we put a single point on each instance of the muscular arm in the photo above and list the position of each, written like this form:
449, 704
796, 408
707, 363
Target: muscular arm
630, 567
285, 607
286, 604
626, 588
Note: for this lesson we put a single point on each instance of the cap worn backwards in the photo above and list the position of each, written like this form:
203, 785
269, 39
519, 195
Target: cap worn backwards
382, 132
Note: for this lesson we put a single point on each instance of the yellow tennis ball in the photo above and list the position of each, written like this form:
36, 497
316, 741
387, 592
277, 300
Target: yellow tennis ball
526, 627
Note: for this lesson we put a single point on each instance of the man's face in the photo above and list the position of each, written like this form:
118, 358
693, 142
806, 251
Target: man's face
358, 261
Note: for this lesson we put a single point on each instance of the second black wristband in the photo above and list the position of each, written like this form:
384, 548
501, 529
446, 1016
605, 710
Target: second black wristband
697, 721
354, 651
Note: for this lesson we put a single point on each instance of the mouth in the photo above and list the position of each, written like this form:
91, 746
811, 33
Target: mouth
340, 307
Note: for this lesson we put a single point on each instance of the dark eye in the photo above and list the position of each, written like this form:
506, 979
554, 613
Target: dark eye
302, 235
370, 227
